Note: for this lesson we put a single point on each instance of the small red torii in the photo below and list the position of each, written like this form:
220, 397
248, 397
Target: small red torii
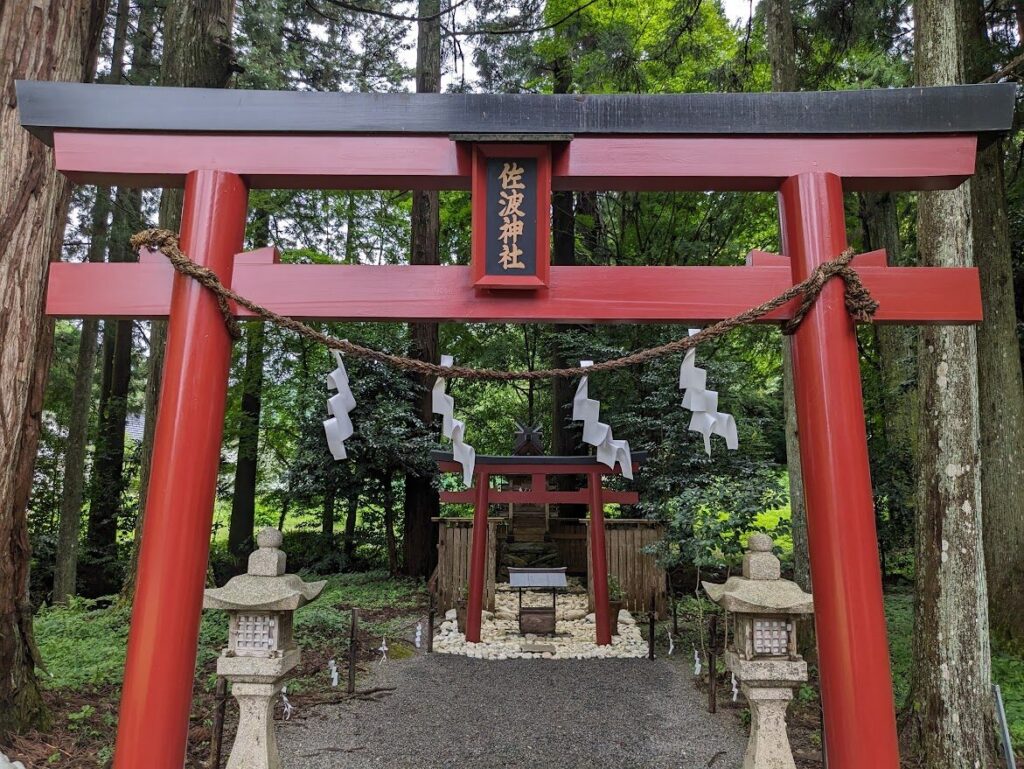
807, 147
538, 469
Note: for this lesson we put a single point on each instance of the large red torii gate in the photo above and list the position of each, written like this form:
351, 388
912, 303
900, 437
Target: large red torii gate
809, 147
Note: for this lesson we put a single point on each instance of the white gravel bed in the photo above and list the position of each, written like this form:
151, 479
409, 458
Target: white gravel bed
574, 632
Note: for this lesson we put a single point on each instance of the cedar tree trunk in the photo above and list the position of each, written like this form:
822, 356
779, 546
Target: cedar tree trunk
38, 41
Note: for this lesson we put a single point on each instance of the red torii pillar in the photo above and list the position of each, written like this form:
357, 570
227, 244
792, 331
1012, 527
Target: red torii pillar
179, 508
855, 676
599, 559
477, 558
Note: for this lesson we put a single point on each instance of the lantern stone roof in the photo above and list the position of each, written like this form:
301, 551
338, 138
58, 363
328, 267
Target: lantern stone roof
265, 587
760, 590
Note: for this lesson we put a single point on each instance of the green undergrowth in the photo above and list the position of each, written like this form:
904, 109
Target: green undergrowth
83, 644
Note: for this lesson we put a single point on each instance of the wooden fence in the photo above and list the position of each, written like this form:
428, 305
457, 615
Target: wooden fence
454, 543
638, 572
570, 537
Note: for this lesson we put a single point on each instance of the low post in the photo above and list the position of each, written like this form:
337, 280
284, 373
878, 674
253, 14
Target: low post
431, 616
672, 597
764, 654
713, 664
353, 643
261, 651
217, 728
651, 615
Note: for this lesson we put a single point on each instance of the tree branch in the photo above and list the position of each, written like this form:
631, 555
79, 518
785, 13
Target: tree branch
526, 30
388, 15
1008, 69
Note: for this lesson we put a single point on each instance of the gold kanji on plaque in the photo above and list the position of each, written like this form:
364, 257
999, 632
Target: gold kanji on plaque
511, 213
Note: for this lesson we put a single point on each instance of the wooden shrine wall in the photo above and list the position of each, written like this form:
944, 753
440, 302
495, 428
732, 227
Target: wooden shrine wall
570, 537
638, 572
454, 544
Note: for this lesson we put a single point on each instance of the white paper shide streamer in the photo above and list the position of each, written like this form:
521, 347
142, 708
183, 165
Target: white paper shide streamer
598, 434
339, 427
707, 419
286, 705
452, 428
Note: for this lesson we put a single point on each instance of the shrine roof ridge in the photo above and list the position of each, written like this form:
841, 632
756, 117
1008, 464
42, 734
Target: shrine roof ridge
966, 109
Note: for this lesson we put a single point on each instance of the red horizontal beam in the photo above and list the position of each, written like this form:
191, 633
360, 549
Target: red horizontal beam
445, 293
587, 163
762, 163
496, 497
533, 468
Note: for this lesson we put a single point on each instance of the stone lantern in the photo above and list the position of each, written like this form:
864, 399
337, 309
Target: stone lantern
763, 654
261, 650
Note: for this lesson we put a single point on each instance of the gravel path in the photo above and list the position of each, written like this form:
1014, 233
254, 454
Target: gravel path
453, 711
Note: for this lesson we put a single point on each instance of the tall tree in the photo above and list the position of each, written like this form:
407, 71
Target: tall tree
421, 502
1000, 387
951, 709
65, 570
778, 20
893, 440
38, 41
66, 567
565, 435
243, 501
197, 53
108, 481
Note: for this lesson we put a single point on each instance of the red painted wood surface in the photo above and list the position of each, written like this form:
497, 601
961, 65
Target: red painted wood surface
443, 293
580, 497
762, 163
589, 163
157, 693
535, 468
599, 560
541, 228
477, 561
856, 683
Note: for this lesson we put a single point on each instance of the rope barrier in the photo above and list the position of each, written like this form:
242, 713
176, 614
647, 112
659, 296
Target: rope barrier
859, 303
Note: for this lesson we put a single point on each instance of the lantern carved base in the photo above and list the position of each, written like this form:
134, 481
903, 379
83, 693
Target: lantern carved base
255, 683
768, 747
768, 686
255, 741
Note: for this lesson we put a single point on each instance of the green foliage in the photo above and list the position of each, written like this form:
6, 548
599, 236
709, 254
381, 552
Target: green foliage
1008, 672
899, 614
614, 588
82, 644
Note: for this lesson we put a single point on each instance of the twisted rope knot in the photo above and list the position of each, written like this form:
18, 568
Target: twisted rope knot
166, 242
859, 303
